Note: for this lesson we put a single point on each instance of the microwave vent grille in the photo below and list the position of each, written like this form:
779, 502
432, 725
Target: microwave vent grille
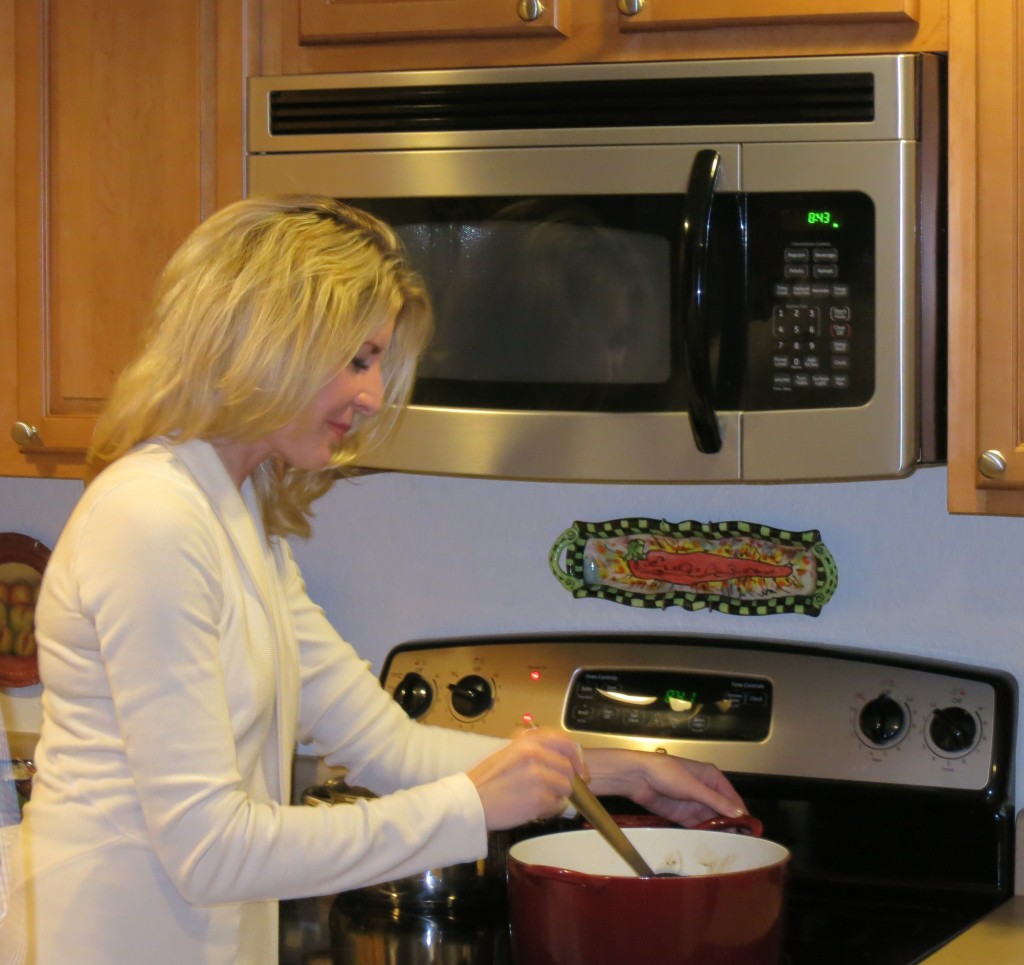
642, 102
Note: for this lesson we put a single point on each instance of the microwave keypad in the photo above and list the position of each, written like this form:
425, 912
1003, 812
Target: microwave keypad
812, 322
811, 301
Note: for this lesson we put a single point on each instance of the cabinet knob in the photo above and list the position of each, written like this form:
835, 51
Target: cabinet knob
630, 8
529, 10
991, 463
26, 436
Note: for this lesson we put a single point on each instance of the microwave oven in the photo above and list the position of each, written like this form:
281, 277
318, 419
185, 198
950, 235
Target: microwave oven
701, 271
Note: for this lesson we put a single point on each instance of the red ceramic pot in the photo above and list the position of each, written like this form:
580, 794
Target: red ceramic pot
574, 901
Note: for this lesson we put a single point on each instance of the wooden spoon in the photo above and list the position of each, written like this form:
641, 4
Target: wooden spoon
586, 802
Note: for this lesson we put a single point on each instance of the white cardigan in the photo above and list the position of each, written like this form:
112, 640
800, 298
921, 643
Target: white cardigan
181, 660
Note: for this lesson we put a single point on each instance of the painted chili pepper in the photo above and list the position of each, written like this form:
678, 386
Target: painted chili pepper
690, 569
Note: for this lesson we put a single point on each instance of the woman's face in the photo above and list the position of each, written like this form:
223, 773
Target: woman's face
356, 392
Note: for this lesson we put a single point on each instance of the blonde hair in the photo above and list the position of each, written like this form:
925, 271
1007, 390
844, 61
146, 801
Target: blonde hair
262, 305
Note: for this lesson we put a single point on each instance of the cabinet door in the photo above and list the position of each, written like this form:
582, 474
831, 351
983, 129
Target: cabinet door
354, 21
986, 323
120, 110
682, 14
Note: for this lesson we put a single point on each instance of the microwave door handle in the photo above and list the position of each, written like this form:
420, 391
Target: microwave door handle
693, 258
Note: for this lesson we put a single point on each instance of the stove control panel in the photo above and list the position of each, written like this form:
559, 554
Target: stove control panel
680, 704
749, 706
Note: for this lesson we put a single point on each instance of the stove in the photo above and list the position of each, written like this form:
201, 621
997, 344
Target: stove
888, 778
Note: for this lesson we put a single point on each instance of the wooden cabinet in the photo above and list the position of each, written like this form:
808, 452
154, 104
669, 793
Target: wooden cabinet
692, 14
323, 36
122, 126
986, 331
359, 21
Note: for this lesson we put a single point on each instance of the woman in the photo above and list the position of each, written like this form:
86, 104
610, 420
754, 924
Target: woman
182, 659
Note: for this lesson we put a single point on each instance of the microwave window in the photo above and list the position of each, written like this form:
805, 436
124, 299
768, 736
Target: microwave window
572, 295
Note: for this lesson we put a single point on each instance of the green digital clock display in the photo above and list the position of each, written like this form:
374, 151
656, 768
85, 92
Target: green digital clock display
822, 218
818, 219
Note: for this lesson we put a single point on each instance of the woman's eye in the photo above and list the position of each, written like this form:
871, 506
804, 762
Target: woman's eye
360, 365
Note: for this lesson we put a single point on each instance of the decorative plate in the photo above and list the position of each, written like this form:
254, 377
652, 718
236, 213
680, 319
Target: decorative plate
733, 567
22, 561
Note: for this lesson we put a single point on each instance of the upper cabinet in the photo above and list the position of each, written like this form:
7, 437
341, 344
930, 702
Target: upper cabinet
125, 130
986, 331
360, 21
692, 14
302, 36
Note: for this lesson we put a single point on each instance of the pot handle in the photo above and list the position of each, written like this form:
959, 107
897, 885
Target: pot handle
741, 824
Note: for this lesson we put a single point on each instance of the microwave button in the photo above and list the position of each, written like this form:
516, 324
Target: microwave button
796, 254
801, 290
840, 346
826, 254
840, 361
841, 381
812, 362
801, 381
781, 289
821, 381
840, 290
795, 271
839, 313
826, 271
840, 330
782, 382
780, 361
821, 291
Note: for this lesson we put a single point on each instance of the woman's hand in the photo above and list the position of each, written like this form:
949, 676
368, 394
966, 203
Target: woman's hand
530, 778
680, 790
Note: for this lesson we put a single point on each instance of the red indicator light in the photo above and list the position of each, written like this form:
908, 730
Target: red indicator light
528, 720
535, 675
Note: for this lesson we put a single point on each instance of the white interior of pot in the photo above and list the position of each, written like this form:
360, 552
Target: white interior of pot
685, 852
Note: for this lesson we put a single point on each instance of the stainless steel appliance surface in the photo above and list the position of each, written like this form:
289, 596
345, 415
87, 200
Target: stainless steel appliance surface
888, 778
674, 271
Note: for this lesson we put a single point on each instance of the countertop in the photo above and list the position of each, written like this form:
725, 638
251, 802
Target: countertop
998, 939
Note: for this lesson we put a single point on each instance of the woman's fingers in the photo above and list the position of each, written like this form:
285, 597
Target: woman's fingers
528, 779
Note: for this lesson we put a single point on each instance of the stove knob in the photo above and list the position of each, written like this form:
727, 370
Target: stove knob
471, 696
883, 720
414, 695
953, 730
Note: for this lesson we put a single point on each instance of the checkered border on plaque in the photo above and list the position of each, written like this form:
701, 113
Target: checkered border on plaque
567, 559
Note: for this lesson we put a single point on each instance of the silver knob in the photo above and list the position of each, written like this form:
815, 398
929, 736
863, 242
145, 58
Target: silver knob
26, 436
991, 463
631, 8
529, 10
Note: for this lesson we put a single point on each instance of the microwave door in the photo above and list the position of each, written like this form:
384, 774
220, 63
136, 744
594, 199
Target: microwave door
554, 277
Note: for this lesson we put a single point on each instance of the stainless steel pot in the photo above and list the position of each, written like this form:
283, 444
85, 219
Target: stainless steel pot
474, 881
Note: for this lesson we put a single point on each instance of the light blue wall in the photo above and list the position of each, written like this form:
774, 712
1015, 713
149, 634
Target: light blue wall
397, 558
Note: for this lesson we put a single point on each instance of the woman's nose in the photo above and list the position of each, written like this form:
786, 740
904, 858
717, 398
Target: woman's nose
371, 393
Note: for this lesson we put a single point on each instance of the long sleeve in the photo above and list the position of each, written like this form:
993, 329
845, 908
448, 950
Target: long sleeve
156, 649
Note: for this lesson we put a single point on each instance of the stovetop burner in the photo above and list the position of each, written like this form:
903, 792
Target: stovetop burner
861, 764
822, 929
819, 928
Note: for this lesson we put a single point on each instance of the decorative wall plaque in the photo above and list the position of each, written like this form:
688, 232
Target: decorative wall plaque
22, 561
734, 567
